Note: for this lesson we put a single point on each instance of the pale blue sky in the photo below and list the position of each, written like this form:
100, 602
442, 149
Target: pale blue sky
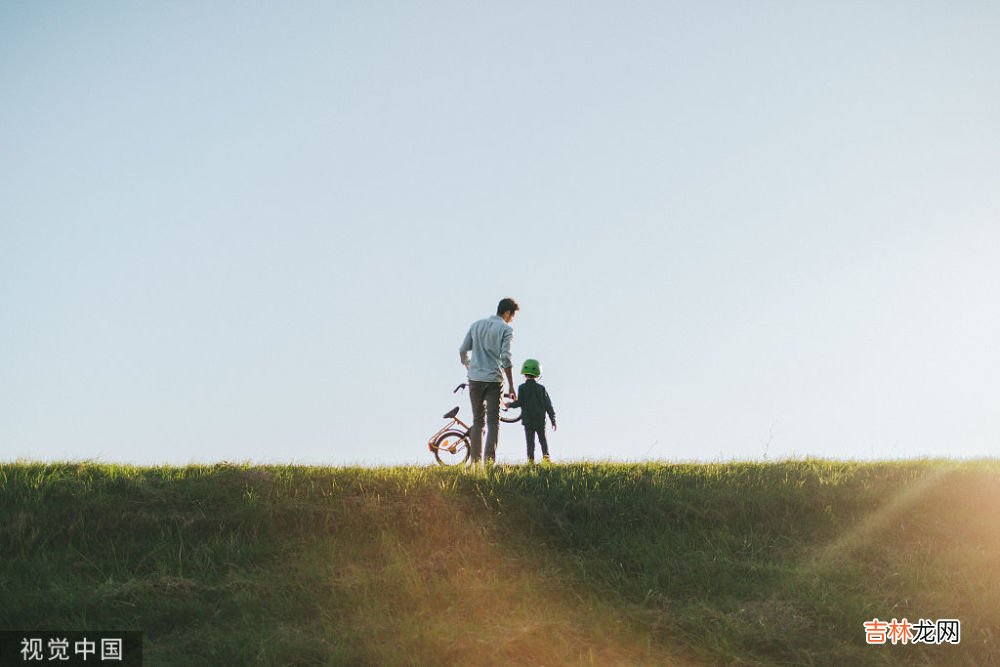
259, 231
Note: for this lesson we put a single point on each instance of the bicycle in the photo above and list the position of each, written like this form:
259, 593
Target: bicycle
451, 444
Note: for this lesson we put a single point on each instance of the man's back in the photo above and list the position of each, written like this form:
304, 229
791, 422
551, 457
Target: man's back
488, 341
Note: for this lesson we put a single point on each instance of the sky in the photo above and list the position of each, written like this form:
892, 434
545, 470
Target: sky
259, 231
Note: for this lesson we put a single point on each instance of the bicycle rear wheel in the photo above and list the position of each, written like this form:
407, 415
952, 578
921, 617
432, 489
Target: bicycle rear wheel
452, 448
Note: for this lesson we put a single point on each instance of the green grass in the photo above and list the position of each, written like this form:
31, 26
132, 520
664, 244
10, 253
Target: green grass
717, 564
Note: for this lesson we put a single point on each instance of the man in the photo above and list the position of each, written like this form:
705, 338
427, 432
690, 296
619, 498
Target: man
488, 341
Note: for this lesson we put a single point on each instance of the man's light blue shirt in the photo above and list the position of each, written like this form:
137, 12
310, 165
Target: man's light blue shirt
488, 341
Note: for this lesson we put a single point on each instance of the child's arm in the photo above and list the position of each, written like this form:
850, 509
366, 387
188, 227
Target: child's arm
549, 409
516, 403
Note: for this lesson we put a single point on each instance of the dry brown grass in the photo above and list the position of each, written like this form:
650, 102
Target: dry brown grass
433, 584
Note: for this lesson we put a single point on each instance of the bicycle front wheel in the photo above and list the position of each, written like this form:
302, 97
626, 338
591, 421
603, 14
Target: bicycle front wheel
509, 415
452, 448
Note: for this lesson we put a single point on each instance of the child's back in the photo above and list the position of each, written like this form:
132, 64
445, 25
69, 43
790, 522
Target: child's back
535, 404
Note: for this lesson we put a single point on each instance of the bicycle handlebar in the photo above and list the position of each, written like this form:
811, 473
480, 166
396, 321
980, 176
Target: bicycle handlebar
504, 407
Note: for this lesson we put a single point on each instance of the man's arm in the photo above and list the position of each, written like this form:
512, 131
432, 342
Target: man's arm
463, 351
505, 363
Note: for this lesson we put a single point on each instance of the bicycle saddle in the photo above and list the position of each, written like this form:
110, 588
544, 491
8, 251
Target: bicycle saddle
451, 413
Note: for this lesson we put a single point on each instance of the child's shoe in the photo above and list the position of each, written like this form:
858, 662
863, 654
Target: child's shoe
546, 459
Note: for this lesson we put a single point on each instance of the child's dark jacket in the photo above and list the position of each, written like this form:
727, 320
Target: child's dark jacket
534, 402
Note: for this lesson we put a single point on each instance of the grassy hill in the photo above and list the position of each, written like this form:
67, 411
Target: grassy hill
603, 564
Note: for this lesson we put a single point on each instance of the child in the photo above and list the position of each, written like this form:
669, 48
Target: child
534, 402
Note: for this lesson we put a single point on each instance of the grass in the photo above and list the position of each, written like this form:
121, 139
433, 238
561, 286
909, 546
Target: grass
581, 564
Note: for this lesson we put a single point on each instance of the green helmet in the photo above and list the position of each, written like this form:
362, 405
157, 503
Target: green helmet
531, 367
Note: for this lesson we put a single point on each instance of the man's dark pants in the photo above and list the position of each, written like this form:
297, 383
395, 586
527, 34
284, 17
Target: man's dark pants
485, 397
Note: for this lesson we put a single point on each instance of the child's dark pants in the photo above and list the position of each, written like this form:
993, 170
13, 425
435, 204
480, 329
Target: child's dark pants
529, 437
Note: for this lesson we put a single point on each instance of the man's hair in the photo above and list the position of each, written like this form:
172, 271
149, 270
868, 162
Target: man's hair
507, 304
